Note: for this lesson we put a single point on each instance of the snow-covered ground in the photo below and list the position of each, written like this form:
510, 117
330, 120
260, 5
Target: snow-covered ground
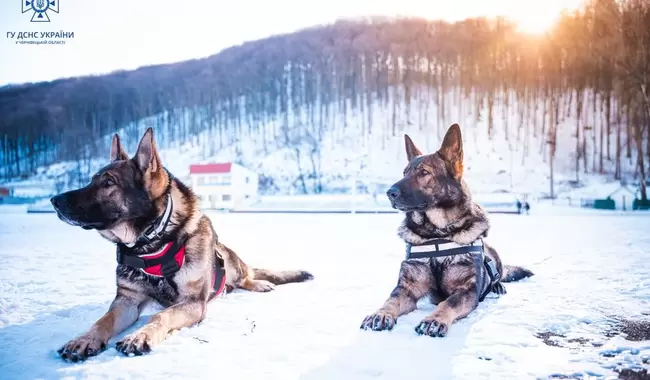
591, 269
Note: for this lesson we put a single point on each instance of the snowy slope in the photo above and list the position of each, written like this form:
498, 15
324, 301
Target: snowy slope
591, 268
500, 161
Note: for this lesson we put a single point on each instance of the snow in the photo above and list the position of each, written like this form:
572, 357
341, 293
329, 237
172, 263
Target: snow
591, 267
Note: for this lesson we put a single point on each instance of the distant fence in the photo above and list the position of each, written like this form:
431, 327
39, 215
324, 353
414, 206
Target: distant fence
620, 204
571, 201
39, 211
13, 200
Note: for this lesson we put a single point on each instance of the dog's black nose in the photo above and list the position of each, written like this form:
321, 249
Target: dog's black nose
393, 193
56, 201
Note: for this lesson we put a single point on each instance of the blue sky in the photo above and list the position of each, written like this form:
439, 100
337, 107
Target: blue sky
126, 34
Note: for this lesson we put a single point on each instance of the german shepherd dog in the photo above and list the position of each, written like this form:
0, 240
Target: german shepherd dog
438, 204
121, 202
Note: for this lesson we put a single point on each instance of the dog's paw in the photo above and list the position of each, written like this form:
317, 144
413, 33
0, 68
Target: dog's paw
81, 348
379, 321
499, 289
262, 286
138, 343
432, 326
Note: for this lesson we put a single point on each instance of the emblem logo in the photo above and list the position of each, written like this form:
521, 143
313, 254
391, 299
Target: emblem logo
40, 9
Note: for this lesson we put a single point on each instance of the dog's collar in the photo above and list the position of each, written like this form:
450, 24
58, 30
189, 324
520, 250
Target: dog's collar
441, 247
157, 228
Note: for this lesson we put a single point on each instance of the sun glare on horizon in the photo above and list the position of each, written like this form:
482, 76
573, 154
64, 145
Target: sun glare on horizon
540, 19
534, 17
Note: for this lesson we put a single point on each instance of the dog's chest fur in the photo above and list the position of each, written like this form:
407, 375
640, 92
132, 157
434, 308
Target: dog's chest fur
446, 272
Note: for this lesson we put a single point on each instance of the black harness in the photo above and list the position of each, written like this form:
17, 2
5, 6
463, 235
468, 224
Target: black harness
444, 247
170, 259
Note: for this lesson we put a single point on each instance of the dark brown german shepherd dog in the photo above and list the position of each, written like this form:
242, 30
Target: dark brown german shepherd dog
138, 205
438, 205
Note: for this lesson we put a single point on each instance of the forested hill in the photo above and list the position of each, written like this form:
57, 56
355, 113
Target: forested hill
361, 83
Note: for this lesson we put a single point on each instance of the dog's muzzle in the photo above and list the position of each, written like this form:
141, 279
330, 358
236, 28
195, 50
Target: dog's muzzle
74, 215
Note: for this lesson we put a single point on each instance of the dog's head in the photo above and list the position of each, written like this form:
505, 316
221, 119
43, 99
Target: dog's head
431, 181
124, 190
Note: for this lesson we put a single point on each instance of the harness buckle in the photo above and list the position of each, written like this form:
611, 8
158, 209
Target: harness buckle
492, 270
159, 235
143, 239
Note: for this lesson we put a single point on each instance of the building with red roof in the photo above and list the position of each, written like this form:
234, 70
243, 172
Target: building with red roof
223, 185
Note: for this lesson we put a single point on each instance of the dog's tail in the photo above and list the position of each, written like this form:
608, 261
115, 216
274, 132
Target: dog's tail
282, 276
514, 273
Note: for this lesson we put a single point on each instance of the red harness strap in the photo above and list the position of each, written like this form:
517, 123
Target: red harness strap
169, 260
218, 279
156, 269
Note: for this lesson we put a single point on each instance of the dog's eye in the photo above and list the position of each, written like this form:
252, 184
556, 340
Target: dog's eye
423, 172
108, 182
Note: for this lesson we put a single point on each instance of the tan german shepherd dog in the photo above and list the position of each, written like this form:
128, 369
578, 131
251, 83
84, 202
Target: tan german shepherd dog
438, 205
167, 251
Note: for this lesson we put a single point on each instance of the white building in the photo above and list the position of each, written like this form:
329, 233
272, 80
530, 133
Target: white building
223, 185
623, 197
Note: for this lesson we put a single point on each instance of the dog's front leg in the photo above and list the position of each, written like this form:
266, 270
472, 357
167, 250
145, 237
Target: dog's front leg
183, 314
455, 307
189, 311
122, 313
415, 281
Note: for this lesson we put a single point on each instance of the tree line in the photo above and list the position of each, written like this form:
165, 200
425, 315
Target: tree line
590, 73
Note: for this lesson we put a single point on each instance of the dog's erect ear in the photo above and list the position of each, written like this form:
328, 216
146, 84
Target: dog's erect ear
147, 155
117, 153
452, 150
411, 149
